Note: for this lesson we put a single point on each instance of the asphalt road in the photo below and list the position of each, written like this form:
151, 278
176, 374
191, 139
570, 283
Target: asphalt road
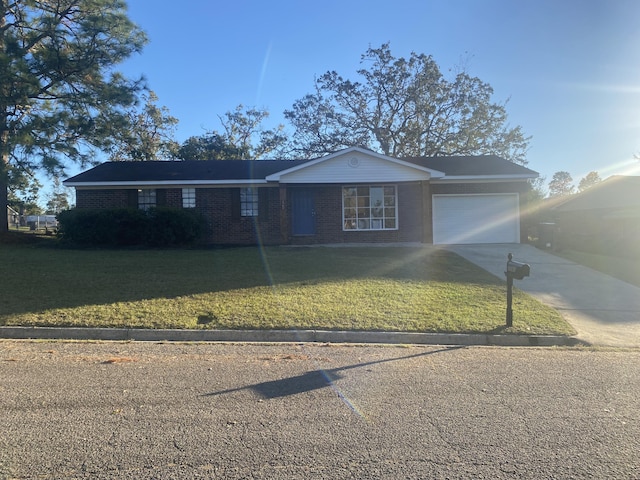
173, 411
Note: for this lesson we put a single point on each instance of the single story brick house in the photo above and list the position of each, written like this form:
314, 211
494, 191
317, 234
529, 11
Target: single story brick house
604, 218
351, 196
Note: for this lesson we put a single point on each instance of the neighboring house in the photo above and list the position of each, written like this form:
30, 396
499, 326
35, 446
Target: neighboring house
605, 218
352, 196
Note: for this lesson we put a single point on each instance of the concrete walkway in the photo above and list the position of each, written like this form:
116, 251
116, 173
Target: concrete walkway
604, 311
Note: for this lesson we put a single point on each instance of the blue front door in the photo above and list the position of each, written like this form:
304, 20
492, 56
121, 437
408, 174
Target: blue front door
303, 213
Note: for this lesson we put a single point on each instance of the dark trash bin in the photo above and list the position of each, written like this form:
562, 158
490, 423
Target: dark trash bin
546, 235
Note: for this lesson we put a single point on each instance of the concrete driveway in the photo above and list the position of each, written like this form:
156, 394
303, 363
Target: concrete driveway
604, 311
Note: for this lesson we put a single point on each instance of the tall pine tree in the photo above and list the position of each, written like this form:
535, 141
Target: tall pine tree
59, 95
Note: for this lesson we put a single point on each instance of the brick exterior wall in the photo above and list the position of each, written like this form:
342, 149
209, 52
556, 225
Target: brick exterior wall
226, 228
328, 208
173, 198
272, 226
105, 198
125, 198
497, 187
222, 226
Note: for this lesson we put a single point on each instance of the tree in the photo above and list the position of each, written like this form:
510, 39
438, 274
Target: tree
24, 189
58, 199
589, 181
210, 146
560, 184
536, 192
243, 130
59, 95
148, 134
404, 108
243, 138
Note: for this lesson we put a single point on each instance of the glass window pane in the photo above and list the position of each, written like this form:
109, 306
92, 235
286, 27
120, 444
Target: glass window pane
349, 192
146, 199
363, 201
377, 197
188, 197
369, 207
249, 202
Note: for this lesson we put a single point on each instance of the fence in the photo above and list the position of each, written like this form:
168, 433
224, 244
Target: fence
37, 222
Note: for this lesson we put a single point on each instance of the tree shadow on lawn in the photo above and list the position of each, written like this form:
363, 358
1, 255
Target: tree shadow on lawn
40, 279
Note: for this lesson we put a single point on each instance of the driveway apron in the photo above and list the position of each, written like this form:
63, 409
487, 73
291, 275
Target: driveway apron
604, 311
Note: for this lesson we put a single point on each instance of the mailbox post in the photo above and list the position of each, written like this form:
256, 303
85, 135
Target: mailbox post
518, 271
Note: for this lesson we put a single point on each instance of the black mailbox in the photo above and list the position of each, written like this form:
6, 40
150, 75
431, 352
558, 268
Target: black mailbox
517, 270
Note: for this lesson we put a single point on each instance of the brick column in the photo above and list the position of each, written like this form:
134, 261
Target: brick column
284, 216
427, 213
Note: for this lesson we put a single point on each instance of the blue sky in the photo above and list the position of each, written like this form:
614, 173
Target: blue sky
569, 68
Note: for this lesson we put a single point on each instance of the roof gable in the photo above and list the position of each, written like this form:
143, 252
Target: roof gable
355, 165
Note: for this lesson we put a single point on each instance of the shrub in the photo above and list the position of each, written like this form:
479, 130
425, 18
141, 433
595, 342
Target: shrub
173, 226
157, 227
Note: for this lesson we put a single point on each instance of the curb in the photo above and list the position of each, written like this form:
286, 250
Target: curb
284, 336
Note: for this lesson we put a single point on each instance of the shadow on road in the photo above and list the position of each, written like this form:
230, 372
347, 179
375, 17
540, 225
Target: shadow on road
313, 380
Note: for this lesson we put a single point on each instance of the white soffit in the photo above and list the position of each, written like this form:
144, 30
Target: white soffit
355, 165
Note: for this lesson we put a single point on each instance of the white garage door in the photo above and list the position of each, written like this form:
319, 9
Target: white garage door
491, 218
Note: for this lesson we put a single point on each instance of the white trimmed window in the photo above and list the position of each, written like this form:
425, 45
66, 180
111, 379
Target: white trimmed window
367, 207
249, 202
188, 198
146, 199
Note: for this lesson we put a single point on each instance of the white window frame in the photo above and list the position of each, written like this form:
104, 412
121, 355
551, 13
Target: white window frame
249, 206
147, 198
188, 198
359, 215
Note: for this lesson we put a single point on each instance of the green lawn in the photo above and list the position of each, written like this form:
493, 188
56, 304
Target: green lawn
622, 268
376, 288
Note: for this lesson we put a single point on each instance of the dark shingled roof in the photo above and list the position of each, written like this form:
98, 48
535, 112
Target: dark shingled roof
248, 170
472, 165
183, 170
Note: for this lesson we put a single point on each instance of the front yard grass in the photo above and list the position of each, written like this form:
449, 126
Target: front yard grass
626, 269
422, 289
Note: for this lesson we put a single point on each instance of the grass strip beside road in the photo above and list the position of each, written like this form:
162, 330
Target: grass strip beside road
421, 289
626, 269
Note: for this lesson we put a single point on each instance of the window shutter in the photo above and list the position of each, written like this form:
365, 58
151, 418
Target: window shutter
263, 204
132, 198
235, 203
161, 197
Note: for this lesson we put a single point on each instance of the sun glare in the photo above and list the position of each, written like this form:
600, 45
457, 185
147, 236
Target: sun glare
629, 167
